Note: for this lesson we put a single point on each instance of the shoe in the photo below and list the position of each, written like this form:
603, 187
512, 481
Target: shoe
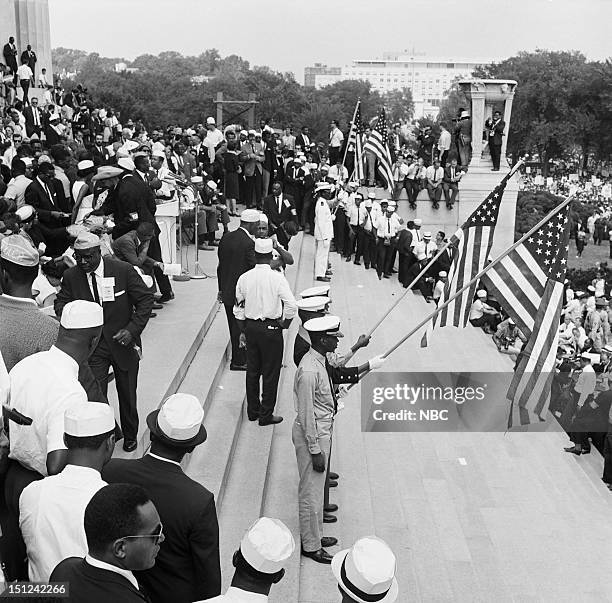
323, 279
253, 418
206, 248
386, 276
357, 263
331, 508
574, 450
329, 518
393, 271
214, 243
380, 277
367, 266
272, 420
328, 541
238, 367
333, 475
329, 273
152, 315
166, 298
320, 556
348, 258
332, 483
449, 206
157, 306
129, 445
436, 206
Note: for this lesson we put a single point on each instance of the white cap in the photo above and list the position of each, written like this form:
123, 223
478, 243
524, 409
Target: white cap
210, 121
180, 417
211, 184
263, 246
244, 132
86, 240
368, 203
481, 293
252, 133
197, 180
25, 212
263, 218
18, 250
392, 204
28, 161
86, 164
322, 290
417, 221
372, 196
325, 324
89, 419
127, 164
511, 321
267, 545
367, 569
313, 304
158, 153
81, 314
442, 274
427, 234
249, 215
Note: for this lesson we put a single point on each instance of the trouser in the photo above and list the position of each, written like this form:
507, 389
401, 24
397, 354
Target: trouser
465, 151
350, 241
321, 257
383, 260
398, 185
238, 353
412, 188
607, 454
126, 381
265, 182
489, 320
404, 265
154, 252
435, 193
310, 490
340, 230
334, 155
13, 547
264, 339
25, 86
443, 158
495, 150
450, 186
366, 247
370, 168
327, 470
252, 190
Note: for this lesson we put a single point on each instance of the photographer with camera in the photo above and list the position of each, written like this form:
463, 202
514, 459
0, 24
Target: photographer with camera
508, 338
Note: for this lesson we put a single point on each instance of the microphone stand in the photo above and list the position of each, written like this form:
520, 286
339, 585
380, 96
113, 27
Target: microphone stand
184, 276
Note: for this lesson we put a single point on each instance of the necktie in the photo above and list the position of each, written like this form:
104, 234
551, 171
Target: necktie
94, 286
280, 204
35, 114
49, 195
389, 226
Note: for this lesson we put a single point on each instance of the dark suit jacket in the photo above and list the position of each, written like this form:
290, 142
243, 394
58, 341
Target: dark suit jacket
99, 157
496, 133
187, 566
404, 240
130, 249
130, 310
236, 256
447, 174
52, 137
94, 585
28, 113
270, 208
10, 56
299, 142
37, 197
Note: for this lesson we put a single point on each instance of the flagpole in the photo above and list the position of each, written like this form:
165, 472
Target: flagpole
352, 126
433, 260
543, 221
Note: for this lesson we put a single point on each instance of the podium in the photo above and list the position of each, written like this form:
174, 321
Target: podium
165, 216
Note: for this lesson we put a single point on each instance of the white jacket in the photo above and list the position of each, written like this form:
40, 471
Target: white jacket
324, 225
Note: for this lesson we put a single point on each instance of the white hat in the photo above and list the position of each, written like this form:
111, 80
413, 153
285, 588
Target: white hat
391, 203
86, 164
249, 215
300, 159
252, 133
179, 419
18, 250
89, 419
44, 159
442, 273
86, 240
417, 221
81, 314
54, 117
368, 203
329, 325
366, 571
464, 114
263, 218
267, 545
244, 132
594, 358
197, 180
322, 290
28, 161
263, 246
511, 321
323, 186
591, 288
127, 164
372, 196
481, 293
353, 184
211, 184
313, 304
25, 212
158, 153
427, 234
210, 121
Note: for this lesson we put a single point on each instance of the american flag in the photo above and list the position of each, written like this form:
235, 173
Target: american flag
378, 143
472, 244
528, 283
355, 141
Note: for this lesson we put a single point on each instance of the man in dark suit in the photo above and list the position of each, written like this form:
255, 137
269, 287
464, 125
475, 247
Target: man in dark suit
99, 153
496, 127
53, 134
127, 304
133, 247
33, 118
10, 56
123, 532
28, 57
236, 256
302, 140
450, 182
42, 194
279, 208
187, 567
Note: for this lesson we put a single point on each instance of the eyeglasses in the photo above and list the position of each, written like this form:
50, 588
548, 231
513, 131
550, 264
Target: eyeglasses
158, 535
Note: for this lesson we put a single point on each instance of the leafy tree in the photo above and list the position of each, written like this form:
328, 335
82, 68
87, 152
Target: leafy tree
399, 105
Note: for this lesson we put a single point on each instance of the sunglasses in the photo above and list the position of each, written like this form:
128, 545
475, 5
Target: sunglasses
158, 535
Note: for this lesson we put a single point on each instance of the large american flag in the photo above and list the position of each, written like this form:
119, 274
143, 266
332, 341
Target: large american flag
528, 283
472, 244
378, 143
355, 141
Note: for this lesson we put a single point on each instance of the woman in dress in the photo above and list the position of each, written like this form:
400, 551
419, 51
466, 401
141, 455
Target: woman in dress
82, 191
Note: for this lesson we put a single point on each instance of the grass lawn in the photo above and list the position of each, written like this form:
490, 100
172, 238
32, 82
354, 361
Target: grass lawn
590, 255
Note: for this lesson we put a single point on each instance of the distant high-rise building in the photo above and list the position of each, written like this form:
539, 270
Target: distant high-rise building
311, 73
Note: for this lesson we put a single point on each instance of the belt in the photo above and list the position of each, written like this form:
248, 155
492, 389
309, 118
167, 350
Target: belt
263, 319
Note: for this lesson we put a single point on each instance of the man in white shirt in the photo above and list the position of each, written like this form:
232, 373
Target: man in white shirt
426, 246
18, 184
25, 75
585, 404
435, 177
444, 143
338, 172
323, 231
482, 314
288, 139
51, 510
400, 171
213, 138
387, 228
336, 138
264, 307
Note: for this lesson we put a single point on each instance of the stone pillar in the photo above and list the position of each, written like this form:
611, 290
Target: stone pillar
8, 27
507, 115
478, 117
32, 24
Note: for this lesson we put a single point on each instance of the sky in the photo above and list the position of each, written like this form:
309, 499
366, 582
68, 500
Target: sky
288, 35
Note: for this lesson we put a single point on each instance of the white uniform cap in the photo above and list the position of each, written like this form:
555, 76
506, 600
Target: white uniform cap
481, 293
263, 246
417, 222
252, 133
267, 545
322, 290
249, 216
211, 184
18, 250
54, 117
323, 186
325, 324
244, 132
27, 161
368, 203
313, 304
427, 234
158, 153
86, 164
197, 180
372, 196
464, 114
81, 314
594, 358
86, 240
210, 121
392, 204
442, 273
89, 419
44, 159
263, 218
127, 164
299, 159
367, 569
25, 212
180, 417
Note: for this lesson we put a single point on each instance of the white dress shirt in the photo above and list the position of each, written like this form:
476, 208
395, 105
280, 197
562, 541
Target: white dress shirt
99, 272
237, 595
44, 399
112, 568
51, 513
434, 174
417, 236
263, 293
585, 385
16, 189
386, 226
444, 142
336, 138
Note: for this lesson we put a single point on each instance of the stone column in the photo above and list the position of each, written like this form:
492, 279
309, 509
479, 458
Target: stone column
507, 115
8, 27
478, 116
32, 23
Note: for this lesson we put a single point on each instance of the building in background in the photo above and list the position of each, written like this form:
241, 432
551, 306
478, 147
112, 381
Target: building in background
28, 22
429, 78
319, 70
